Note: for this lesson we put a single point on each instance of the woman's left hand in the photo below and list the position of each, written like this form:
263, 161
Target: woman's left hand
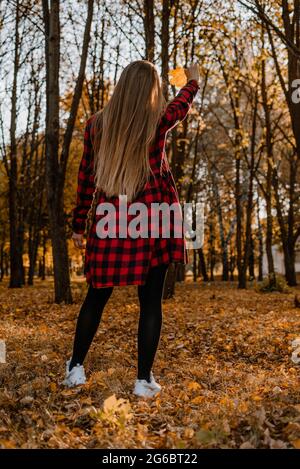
78, 240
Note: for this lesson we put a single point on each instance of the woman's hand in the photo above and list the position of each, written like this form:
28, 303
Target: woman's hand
78, 240
192, 72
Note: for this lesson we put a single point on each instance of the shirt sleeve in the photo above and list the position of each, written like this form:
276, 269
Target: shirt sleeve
177, 109
86, 185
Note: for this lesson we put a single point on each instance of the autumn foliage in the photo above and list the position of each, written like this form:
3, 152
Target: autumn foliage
224, 362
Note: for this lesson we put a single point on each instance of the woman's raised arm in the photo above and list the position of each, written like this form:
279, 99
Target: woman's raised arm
177, 109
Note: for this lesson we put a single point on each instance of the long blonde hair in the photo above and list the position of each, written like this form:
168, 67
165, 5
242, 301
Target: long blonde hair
124, 130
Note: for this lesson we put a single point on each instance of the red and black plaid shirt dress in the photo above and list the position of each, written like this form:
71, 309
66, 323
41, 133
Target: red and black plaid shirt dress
126, 261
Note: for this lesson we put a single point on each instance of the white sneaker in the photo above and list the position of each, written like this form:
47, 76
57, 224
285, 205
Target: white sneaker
144, 389
74, 377
153, 383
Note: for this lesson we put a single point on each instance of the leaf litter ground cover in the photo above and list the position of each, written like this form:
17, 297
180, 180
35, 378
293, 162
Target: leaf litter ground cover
224, 362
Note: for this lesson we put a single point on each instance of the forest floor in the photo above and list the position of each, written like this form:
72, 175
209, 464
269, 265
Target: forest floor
224, 362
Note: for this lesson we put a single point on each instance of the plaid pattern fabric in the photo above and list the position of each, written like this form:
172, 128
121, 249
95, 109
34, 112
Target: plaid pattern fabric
126, 261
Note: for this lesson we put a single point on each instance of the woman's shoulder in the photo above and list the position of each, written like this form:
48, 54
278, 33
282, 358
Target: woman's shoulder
90, 126
90, 120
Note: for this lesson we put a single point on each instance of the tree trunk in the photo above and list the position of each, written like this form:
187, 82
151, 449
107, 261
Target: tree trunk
33, 244
54, 175
251, 263
202, 265
291, 36
239, 213
195, 270
16, 260
248, 236
268, 191
169, 286
2, 261
224, 245
180, 274
149, 29
260, 244
212, 259
165, 45
55, 166
288, 238
232, 265
6, 264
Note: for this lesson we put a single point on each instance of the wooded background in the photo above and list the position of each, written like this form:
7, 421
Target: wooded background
238, 151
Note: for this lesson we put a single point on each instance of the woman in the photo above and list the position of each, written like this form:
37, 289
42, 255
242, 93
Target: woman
124, 154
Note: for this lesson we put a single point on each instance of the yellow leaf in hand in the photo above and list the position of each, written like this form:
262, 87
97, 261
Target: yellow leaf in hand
178, 77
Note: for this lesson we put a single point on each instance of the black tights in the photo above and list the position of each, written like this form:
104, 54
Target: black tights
150, 321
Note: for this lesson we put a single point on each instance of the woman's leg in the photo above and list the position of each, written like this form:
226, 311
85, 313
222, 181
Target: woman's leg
88, 322
150, 322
